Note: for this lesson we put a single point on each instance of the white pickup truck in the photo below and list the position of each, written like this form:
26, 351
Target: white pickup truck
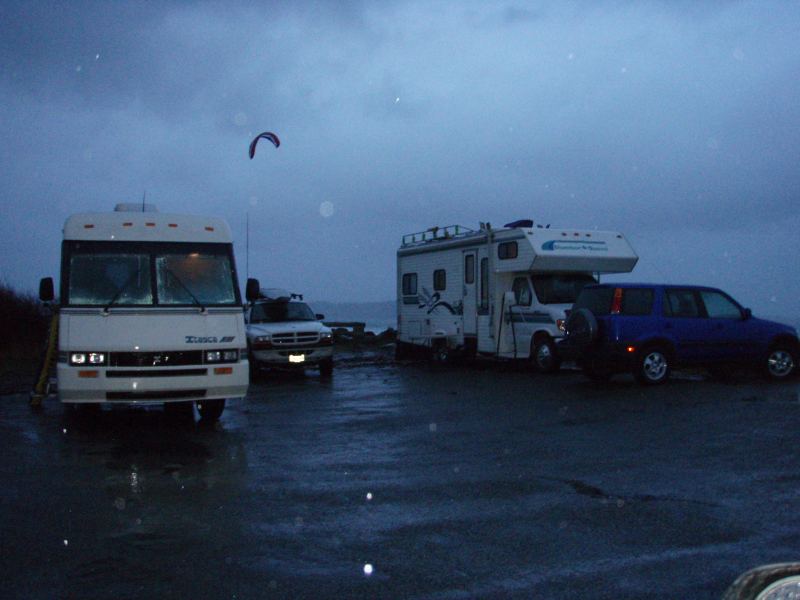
283, 332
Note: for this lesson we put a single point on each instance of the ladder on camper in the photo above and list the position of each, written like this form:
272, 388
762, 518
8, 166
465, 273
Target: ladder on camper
437, 233
45, 380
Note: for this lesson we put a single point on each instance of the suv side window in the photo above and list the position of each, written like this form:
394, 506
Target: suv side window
637, 302
719, 306
522, 291
681, 304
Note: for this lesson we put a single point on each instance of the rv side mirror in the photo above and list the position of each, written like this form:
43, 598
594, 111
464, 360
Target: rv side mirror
252, 290
509, 299
46, 290
319, 317
747, 314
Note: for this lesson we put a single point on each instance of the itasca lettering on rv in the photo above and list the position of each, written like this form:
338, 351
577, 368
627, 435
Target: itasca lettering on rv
192, 339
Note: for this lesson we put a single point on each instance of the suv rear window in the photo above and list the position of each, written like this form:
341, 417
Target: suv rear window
635, 301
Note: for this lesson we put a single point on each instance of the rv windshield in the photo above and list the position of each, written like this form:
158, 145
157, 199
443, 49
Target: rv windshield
560, 288
277, 312
136, 274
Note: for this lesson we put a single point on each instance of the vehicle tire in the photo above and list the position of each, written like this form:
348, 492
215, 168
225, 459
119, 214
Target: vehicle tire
326, 367
440, 353
582, 327
653, 365
544, 355
210, 410
781, 362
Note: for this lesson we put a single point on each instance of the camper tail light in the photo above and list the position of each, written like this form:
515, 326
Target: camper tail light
562, 325
80, 359
222, 356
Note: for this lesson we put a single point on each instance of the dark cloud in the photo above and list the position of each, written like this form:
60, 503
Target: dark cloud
649, 118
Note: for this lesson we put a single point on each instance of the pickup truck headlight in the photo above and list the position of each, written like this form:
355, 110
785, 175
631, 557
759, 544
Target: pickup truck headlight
80, 359
262, 339
326, 338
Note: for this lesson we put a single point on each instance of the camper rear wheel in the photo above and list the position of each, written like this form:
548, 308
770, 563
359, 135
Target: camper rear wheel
440, 353
544, 355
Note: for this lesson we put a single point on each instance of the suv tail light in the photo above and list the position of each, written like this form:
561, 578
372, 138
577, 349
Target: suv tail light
616, 303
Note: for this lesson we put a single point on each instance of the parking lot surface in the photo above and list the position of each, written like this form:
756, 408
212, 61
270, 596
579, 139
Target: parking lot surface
407, 481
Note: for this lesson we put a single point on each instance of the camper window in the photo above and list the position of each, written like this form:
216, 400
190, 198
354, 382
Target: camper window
439, 280
410, 288
560, 288
469, 268
522, 291
507, 250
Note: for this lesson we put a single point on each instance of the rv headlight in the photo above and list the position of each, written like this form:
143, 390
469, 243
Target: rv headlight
77, 359
213, 356
230, 356
97, 358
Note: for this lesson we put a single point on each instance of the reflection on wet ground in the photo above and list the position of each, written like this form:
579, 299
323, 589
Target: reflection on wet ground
406, 481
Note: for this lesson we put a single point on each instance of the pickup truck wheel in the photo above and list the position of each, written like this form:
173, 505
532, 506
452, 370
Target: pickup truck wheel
326, 367
652, 366
210, 410
781, 362
544, 355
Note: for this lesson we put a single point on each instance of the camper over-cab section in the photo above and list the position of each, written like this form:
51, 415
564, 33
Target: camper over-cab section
498, 292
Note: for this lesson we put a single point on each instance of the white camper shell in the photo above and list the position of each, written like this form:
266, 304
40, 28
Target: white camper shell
498, 292
150, 311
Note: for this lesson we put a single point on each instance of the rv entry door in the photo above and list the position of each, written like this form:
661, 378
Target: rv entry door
470, 299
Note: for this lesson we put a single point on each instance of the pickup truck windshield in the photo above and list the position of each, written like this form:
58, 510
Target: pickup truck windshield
277, 312
133, 273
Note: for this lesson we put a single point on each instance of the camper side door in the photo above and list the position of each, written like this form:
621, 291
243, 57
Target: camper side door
470, 300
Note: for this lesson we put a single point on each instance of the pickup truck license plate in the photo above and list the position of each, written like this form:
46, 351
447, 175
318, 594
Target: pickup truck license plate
297, 358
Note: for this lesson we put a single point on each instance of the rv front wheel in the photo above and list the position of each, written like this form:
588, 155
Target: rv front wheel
544, 355
210, 410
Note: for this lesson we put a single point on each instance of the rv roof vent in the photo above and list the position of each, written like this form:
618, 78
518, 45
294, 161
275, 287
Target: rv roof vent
135, 207
522, 223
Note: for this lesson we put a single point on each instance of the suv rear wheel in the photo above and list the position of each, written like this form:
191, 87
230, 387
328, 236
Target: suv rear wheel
652, 365
781, 362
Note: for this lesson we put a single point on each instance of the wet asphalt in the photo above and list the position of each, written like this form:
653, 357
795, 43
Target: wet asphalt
407, 481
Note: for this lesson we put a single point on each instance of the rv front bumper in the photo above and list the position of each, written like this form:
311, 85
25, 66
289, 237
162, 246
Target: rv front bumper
151, 385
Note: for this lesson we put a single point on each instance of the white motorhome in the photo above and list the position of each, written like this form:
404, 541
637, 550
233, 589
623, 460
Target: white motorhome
498, 292
150, 311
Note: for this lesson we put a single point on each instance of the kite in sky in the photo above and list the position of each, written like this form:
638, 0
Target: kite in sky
267, 135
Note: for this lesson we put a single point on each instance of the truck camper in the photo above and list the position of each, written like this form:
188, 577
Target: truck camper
500, 293
150, 311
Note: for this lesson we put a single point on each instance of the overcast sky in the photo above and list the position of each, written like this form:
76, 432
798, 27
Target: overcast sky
676, 123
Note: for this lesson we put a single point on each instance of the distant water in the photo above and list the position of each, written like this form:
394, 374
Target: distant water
377, 316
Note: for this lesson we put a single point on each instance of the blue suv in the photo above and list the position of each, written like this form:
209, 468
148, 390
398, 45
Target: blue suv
647, 329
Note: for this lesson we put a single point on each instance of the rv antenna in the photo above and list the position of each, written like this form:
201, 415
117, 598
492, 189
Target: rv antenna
247, 246
144, 195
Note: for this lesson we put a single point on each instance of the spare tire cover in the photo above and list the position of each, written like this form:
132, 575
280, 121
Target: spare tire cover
582, 327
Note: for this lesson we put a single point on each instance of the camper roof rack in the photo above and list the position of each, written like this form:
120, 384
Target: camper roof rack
436, 233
